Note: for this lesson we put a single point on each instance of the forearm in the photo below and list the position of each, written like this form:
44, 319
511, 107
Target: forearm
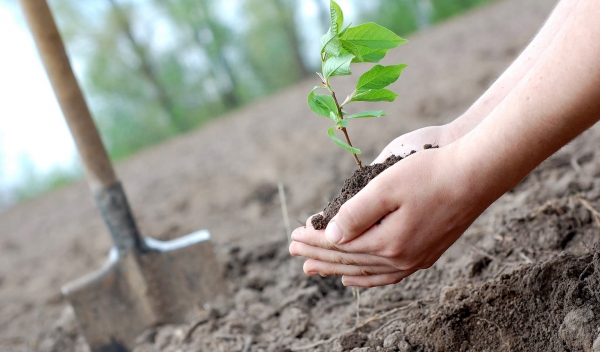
555, 101
516, 71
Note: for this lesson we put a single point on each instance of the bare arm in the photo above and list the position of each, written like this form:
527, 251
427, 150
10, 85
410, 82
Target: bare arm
447, 134
516, 71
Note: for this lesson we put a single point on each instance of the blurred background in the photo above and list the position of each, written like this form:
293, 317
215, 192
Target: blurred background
153, 69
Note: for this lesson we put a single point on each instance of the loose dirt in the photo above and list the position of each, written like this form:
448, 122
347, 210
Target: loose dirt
523, 277
359, 179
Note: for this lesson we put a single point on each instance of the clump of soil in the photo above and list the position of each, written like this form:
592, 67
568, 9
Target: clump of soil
359, 179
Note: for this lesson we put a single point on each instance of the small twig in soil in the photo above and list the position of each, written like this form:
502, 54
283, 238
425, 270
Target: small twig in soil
337, 303
388, 323
584, 270
322, 342
193, 328
226, 337
284, 212
589, 207
575, 164
332, 338
312, 290
379, 317
497, 327
247, 343
484, 253
383, 307
356, 292
526, 258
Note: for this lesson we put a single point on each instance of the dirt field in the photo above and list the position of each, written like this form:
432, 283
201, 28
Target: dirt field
522, 278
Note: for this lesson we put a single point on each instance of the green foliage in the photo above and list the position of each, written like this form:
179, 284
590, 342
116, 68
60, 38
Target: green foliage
337, 66
372, 36
337, 18
322, 104
366, 114
340, 142
368, 42
374, 95
33, 182
444, 9
379, 77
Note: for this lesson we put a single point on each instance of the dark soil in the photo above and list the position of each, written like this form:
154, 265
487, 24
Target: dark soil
359, 179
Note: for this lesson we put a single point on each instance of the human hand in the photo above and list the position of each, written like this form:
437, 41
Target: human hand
415, 140
401, 222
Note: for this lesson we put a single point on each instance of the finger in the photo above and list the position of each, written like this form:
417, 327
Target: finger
299, 249
363, 210
374, 241
374, 280
314, 267
384, 239
312, 237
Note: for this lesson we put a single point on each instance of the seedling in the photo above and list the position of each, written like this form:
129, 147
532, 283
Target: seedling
340, 47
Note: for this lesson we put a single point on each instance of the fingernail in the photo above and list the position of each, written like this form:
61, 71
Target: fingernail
332, 233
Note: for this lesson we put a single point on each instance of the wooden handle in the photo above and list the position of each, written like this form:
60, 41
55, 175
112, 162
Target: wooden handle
95, 160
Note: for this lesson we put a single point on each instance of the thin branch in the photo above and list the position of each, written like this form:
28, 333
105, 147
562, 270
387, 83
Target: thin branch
284, 212
341, 114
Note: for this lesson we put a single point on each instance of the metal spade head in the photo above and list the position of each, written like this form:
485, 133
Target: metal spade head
135, 290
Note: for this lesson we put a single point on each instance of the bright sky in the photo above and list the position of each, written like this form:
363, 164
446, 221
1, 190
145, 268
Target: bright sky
31, 123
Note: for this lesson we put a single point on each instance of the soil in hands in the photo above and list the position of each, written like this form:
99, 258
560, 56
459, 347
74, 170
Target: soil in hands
356, 182
359, 180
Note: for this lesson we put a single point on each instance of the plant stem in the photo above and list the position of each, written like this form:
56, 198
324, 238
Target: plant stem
344, 128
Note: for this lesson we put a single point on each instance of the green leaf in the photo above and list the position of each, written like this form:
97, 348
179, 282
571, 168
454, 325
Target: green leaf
330, 43
375, 95
371, 55
345, 29
337, 66
352, 49
337, 17
322, 104
341, 143
367, 114
366, 54
380, 77
342, 123
373, 36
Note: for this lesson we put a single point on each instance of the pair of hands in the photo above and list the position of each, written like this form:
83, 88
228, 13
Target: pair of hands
403, 220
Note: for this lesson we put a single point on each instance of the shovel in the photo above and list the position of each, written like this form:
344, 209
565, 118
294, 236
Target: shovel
145, 282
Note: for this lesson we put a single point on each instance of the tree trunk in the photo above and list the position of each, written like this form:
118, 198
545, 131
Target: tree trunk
147, 68
287, 15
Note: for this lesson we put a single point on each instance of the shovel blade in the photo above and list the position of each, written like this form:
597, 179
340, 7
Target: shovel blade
134, 290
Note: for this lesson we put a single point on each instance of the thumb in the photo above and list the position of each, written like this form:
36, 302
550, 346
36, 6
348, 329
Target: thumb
362, 211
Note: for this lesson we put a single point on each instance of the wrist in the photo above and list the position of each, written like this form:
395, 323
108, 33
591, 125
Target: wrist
493, 162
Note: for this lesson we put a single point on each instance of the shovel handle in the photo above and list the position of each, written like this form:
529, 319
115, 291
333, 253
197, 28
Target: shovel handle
108, 192
95, 160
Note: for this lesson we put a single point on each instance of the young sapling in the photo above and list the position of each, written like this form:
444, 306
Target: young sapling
340, 47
